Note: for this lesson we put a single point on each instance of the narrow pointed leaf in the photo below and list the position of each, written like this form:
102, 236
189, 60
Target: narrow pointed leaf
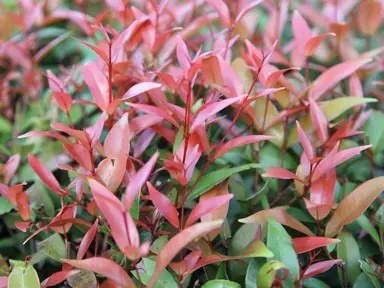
87, 240
117, 142
139, 89
164, 205
320, 267
105, 267
305, 244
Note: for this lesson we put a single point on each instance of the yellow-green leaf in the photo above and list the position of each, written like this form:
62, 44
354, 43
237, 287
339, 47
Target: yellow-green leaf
352, 206
267, 273
23, 276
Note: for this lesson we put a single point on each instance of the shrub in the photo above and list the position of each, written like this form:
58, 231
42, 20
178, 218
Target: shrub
191, 143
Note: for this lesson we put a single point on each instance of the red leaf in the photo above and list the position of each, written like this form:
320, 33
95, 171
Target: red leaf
140, 89
97, 84
223, 11
305, 244
155, 111
105, 267
238, 142
54, 83
314, 43
23, 205
59, 223
45, 174
138, 180
51, 134
164, 205
143, 122
281, 173
79, 135
63, 100
336, 158
58, 277
178, 242
182, 55
211, 109
321, 194
207, 206
10, 167
334, 75
97, 50
319, 268
87, 240
319, 121
80, 155
307, 145
117, 142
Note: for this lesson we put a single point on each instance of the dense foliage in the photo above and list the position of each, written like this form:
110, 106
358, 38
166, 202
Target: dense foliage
195, 143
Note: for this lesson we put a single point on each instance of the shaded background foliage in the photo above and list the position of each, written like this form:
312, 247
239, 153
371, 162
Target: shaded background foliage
213, 91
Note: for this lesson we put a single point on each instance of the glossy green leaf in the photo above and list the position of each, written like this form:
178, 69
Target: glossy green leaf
348, 250
23, 276
5, 206
251, 276
314, 283
53, 247
280, 243
211, 179
221, 284
367, 226
374, 129
363, 281
146, 269
371, 274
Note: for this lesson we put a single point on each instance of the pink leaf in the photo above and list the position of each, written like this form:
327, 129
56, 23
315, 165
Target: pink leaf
320, 267
178, 242
336, 158
45, 174
138, 180
334, 75
54, 83
319, 121
105, 267
207, 206
223, 11
97, 84
117, 142
97, 50
314, 43
307, 145
140, 89
63, 100
308, 243
246, 9
117, 5
183, 55
355, 86
164, 205
280, 173
80, 155
10, 167
300, 28
238, 142
211, 110
155, 111
87, 240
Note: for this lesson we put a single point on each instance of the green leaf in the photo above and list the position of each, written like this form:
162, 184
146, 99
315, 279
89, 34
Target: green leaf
267, 273
221, 284
211, 179
4, 268
364, 222
349, 252
280, 243
53, 247
251, 276
5, 206
314, 283
23, 276
135, 208
335, 107
38, 194
363, 281
222, 272
146, 268
374, 129
5, 126
371, 274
